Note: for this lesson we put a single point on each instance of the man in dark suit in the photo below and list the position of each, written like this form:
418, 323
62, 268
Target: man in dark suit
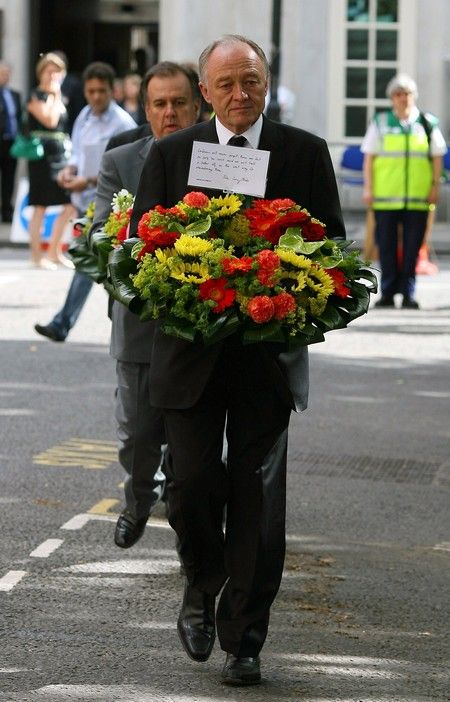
10, 122
171, 103
249, 389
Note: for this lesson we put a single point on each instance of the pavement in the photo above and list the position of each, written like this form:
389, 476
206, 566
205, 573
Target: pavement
360, 616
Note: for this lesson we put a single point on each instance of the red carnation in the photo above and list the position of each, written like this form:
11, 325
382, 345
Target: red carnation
216, 290
196, 199
339, 280
268, 260
237, 265
284, 304
261, 308
313, 231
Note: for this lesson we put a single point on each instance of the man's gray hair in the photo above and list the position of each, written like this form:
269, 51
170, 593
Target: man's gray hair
228, 40
401, 82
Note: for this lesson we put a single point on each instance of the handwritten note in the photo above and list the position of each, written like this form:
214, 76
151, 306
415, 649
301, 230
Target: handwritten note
229, 168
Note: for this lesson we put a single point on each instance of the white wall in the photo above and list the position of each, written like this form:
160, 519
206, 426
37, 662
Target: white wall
187, 27
15, 40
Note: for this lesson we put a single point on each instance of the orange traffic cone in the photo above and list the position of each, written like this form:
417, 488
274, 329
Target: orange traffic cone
424, 266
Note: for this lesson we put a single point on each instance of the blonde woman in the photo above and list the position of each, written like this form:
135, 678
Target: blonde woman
47, 117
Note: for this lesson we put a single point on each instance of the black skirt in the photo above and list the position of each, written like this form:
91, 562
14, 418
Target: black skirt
44, 190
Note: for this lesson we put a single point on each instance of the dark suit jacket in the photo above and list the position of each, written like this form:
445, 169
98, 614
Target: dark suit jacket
300, 168
18, 105
129, 136
131, 339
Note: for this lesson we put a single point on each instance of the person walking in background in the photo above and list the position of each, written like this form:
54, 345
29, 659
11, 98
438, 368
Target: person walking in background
96, 123
171, 103
131, 100
10, 124
47, 117
249, 389
403, 150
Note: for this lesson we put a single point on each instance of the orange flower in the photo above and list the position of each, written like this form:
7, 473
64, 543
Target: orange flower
237, 265
261, 308
339, 280
196, 199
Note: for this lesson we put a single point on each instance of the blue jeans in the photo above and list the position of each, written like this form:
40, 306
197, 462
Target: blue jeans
80, 287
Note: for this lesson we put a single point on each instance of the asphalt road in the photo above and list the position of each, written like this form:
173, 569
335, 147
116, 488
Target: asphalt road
362, 614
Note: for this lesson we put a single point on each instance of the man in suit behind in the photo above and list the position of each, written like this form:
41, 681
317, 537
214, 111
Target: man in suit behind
250, 389
171, 103
10, 122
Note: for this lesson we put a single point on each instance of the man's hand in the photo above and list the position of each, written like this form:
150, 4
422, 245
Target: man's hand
66, 176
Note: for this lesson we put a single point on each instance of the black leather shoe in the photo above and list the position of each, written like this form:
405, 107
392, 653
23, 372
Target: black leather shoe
196, 623
128, 530
385, 302
49, 331
410, 304
239, 670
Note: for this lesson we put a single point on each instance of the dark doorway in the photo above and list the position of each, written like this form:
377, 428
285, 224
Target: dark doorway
122, 34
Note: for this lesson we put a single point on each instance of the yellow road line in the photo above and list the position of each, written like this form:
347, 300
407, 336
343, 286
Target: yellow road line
91, 454
103, 506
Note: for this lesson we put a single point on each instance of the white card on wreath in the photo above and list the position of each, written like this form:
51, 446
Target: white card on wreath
230, 168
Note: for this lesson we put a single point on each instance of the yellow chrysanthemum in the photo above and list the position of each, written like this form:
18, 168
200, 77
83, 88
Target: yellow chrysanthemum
163, 255
192, 245
190, 272
319, 281
237, 230
224, 206
300, 277
297, 260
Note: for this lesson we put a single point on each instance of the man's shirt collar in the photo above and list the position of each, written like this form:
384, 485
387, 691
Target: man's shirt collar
252, 134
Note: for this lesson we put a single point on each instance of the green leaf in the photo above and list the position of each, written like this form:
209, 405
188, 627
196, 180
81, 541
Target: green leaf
120, 267
330, 318
272, 331
220, 328
179, 328
200, 227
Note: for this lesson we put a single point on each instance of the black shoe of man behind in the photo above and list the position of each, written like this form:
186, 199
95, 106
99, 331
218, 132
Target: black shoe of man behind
240, 670
128, 530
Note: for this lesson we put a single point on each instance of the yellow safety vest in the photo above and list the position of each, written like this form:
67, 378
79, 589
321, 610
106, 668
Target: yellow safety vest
402, 171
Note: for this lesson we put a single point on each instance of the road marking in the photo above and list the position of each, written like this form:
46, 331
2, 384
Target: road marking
11, 579
444, 546
76, 522
103, 506
16, 412
149, 566
90, 454
80, 520
46, 548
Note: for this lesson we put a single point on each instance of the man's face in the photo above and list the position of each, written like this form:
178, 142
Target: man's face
4, 75
236, 86
98, 94
170, 105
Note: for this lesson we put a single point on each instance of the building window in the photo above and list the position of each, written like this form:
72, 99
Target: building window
371, 60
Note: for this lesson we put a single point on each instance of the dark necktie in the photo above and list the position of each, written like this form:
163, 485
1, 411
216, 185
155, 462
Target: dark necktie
237, 141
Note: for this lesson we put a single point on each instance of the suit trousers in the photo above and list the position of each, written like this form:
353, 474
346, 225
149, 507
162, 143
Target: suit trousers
140, 432
398, 272
248, 558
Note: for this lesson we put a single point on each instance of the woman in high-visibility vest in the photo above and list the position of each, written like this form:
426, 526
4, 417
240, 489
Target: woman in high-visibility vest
403, 150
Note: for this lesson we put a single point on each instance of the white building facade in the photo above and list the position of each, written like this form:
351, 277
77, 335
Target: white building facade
336, 55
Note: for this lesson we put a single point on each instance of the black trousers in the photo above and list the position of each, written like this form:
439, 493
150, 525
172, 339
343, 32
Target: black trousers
248, 558
8, 171
398, 274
